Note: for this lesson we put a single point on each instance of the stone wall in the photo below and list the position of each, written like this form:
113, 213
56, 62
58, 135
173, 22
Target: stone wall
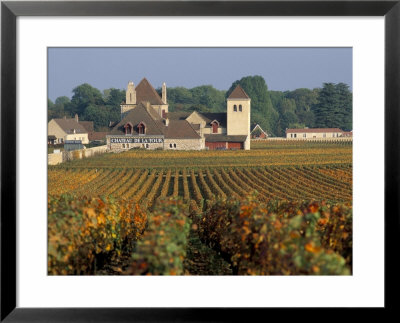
122, 146
54, 159
57, 158
184, 144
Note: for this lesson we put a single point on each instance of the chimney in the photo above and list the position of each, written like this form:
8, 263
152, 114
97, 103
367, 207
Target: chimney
164, 93
76, 117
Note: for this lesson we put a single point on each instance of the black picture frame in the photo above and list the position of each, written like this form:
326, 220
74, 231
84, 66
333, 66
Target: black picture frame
10, 10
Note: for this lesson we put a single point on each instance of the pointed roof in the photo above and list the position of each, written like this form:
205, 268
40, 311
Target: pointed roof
140, 114
238, 93
146, 92
70, 124
257, 126
176, 129
211, 116
180, 129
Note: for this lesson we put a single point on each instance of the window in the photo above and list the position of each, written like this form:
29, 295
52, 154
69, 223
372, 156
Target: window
324, 135
170, 145
304, 135
123, 145
141, 128
295, 135
128, 128
127, 145
235, 108
147, 145
240, 108
291, 135
174, 145
214, 127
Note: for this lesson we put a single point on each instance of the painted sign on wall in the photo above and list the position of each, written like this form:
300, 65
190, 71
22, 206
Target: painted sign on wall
136, 140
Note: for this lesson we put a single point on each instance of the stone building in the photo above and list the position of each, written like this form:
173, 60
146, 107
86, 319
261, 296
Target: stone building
230, 130
146, 123
68, 129
314, 133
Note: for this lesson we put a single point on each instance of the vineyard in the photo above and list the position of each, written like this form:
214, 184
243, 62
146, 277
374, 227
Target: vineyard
284, 210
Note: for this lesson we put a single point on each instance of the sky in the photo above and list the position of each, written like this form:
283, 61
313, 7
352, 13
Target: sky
282, 68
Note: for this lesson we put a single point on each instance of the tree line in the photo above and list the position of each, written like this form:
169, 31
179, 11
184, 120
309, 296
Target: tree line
275, 111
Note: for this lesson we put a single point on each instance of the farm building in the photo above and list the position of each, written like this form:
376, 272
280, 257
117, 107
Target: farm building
314, 133
61, 130
258, 133
147, 123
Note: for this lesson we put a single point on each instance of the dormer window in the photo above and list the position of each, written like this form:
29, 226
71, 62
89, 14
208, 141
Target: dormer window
128, 128
214, 125
141, 128
240, 108
235, 108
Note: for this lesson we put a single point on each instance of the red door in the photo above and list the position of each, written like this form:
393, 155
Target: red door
235, 145
215, 145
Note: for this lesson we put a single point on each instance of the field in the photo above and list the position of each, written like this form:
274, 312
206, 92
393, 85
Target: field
280, 208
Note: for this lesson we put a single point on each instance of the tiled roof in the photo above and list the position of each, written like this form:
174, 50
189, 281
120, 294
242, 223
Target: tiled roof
180, 129
88, 125
69, 125
137, 115
97, 135
238, 93
176, 129
314, 130
178, 115
209, 117
221, 138
146, 92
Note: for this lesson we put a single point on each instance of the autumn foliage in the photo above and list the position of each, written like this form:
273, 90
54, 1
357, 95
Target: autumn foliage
279, 238
82, 229
162, 248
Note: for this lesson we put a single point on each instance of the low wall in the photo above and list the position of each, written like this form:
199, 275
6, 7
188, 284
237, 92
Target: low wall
54, 159
57, 158
304, 139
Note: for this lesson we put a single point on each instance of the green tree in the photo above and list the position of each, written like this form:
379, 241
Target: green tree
261, 105
59, 109
334, 107
100, 115
210, 97
83, 96
345, 99
50, 104
114, 97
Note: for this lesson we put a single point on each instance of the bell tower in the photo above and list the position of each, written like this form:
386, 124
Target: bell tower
238, 114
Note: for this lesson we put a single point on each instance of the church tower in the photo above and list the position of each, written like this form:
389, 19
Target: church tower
238, 115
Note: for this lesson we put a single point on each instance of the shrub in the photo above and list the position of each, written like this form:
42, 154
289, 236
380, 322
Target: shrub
277, 238
82, 229
162, 248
